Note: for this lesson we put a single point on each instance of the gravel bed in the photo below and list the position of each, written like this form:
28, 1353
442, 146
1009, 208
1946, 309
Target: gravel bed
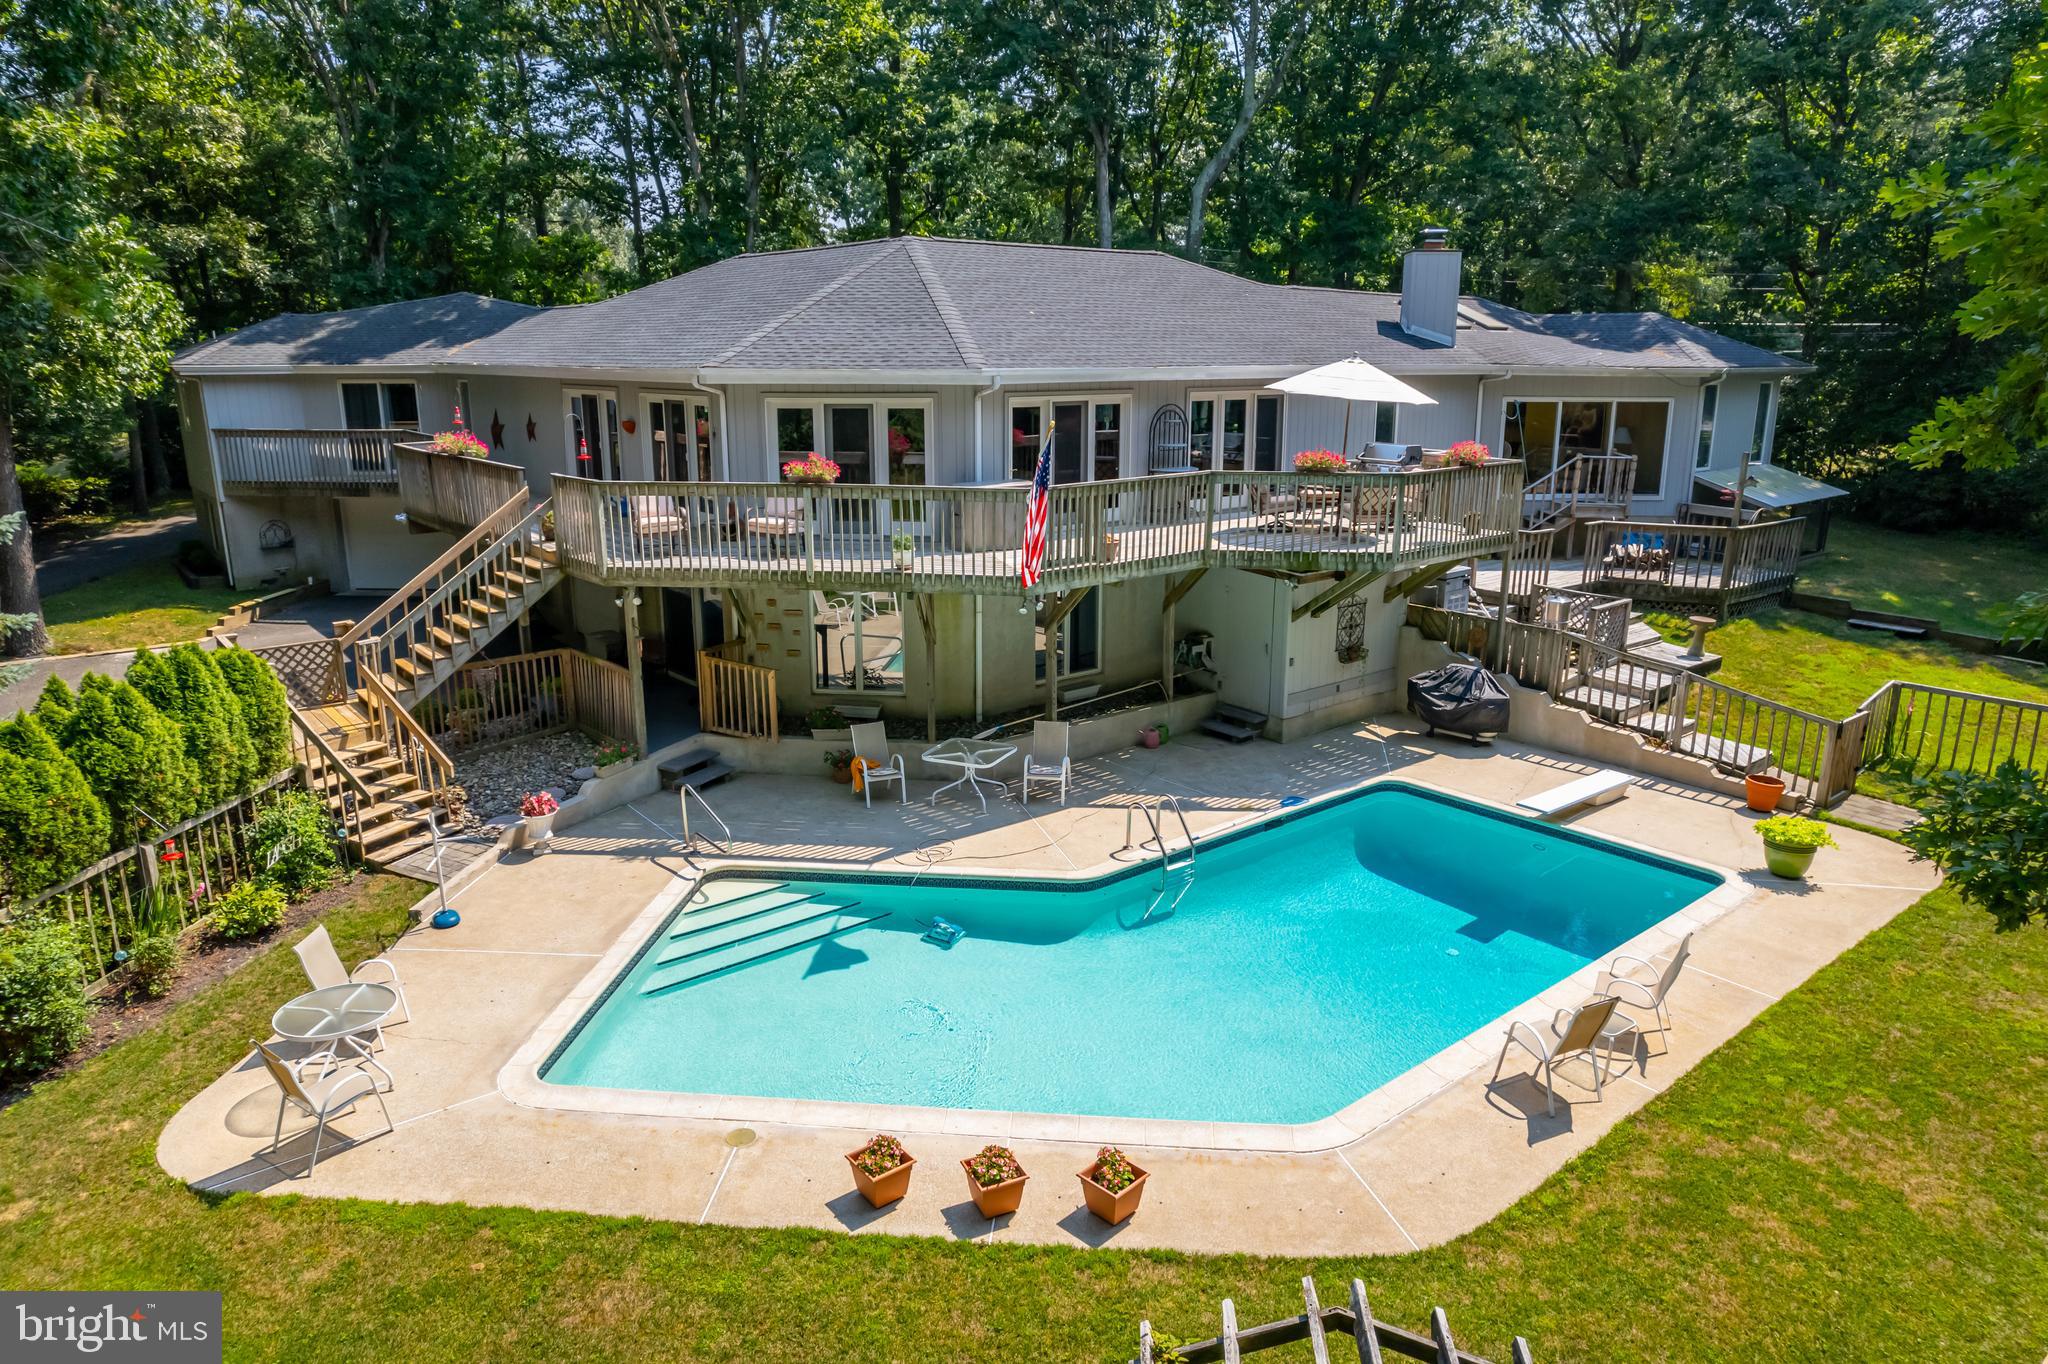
496, 778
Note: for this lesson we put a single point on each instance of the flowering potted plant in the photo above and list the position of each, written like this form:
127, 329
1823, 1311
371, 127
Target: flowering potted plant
612, 752
813, 469
840, 760
538, 809
1320, 462
1790, 843
995, 1180
904, 548
1112, 1186
881, 1170
1467, 454
464, 443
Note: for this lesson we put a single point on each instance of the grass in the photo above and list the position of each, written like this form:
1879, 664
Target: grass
147, 604
1966, 581
90, 525
1855, 1176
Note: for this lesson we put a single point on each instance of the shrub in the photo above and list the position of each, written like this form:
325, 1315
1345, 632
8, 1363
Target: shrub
132, 757
291, 840
1794, 832
187, 687
48, 495
55, 704
266, 708
52, 826
252, 907
157, 952
198, 557
1989, 836
42, 998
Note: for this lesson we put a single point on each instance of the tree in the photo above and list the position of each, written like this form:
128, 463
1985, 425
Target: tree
266, 709
132, 757
1264, 43
188, 690
52, 826
1989, 836
1995, 220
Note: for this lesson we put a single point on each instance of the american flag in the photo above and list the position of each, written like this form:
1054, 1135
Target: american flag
1034, 517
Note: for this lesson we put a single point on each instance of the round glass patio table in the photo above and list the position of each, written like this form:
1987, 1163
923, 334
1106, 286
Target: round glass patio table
340, 1014
973, 757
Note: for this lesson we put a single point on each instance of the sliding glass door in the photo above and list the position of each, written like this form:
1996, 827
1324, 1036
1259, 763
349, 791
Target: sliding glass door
679, 436
1546, 432
593, 431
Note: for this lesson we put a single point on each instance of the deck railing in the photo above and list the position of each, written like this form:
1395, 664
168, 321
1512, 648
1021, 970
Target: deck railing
963, 538
1722, 567
734, 696
454, 493
492, 700
1915, 729
341, 460
1584, 485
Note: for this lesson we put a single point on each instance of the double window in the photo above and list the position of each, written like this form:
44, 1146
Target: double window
1545, 432
857, 641
1234, 431
872, 440
369, 407
1087, 438
679, 432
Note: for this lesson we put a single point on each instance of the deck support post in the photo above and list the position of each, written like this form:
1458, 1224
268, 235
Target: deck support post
1055, 616
630, 598
927, 620
1346, 586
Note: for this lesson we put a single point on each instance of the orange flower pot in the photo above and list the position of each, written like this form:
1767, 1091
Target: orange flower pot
882, 1189
1764, 793
1113, 1208
995, 1200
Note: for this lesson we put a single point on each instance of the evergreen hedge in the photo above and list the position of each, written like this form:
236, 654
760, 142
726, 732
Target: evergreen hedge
266, 709
52, 826
132, 757
188, 689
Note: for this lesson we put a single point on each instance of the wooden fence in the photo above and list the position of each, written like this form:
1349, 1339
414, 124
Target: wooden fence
311, 671
734, 696
493, 700
455, 493
187, 867
1914, 729
1373, 1339
1723, 568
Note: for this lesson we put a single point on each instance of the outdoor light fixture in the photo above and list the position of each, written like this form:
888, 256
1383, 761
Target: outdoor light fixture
399, 517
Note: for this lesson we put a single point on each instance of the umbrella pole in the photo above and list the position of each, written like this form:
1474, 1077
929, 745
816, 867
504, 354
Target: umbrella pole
1347, 428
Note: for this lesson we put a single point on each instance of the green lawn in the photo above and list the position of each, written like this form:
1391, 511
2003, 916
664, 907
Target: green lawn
1966, 581
148, 604
1856, 1176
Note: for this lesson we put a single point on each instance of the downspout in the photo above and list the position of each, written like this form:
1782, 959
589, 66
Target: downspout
1479, 407
724, 449
980, 476
977, 660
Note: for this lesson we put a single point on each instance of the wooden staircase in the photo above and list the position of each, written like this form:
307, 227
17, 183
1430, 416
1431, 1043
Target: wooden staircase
378, 773
1582, 488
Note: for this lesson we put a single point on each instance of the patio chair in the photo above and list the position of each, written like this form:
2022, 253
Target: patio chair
654, 517
1048, 761
324, 968
1573, 1032
1644, 984
320, 1099
780, 518
871, 747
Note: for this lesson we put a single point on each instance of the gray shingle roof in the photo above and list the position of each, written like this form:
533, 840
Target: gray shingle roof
937, 304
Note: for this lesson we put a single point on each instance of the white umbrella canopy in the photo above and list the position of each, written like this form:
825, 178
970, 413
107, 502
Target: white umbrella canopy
1354, 381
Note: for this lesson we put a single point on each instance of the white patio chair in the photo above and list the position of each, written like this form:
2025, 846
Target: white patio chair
871, 745
1573, 1032
654, 517
1644, 984
324, 968
1048, 761
779, 518
328, 1096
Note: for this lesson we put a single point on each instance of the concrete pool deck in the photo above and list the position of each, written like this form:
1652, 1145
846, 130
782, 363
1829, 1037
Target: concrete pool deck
1425, 1158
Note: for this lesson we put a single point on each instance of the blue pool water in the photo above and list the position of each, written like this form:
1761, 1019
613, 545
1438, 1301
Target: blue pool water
1315, 958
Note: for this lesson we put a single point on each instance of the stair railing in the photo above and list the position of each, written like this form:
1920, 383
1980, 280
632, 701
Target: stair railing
689, 840
427, 579
490, 561
1167, 865
330, 779
405, 737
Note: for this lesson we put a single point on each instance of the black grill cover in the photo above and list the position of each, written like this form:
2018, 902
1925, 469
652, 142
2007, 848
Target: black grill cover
1463, 698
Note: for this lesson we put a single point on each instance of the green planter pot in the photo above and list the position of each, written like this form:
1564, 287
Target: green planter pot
1790, 863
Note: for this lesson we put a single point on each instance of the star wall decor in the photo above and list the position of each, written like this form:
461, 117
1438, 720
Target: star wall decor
529, 428
497, 430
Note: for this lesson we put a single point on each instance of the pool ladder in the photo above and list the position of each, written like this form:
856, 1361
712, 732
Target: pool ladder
690, 840
1168, 863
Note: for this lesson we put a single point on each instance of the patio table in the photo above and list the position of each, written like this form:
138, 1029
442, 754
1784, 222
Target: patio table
973, 757
339, 1014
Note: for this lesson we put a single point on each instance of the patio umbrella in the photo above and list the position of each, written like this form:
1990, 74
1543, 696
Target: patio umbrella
1354, 381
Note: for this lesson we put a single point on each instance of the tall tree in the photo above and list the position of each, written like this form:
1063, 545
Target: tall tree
1263, 40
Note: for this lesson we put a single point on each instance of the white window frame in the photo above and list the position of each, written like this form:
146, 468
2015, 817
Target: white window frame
1219, 396
1045, 402
1703, 442
878, 426
859, 687
711, 405
1766, 421
383, 398
1067, 642
1556, 440
575, 469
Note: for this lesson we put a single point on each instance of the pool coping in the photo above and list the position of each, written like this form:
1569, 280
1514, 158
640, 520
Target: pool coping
520, 1080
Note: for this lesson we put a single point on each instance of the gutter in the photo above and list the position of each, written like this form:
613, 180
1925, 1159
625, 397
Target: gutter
724, 451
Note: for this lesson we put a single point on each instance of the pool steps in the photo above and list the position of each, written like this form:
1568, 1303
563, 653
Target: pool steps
755, 920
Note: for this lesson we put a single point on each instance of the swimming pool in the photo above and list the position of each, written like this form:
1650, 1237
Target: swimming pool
1315, 957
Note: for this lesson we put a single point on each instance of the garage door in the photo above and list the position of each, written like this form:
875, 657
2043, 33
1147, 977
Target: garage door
382, 553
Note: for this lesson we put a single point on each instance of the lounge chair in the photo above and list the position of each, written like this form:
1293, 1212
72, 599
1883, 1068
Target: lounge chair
779, 518
871, 747
324, 968
1644, 984
320, 1099
654, 517
1048, 761
1573, 1032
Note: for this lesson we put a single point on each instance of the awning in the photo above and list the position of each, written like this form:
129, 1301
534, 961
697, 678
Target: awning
1771, 486
1354, 381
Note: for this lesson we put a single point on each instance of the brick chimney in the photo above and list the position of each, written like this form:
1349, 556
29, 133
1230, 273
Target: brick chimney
1429, 288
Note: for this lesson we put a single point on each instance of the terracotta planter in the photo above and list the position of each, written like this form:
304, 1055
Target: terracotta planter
843, 773
1113, 1208
1149, 736
995, 1200
882, 1189
1764, 792
1790, 863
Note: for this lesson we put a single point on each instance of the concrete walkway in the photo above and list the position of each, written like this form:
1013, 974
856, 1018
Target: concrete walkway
1433, 1154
